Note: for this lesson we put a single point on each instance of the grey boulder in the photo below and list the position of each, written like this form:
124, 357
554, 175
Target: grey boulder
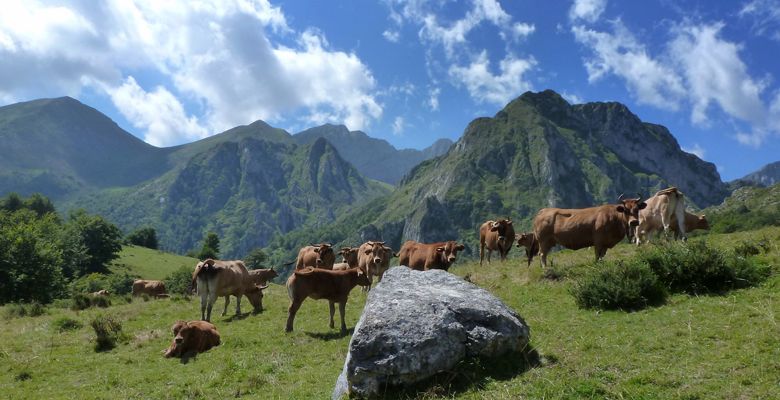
416, 324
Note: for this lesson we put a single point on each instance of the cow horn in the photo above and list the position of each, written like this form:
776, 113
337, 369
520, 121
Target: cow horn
638, 197
620, 198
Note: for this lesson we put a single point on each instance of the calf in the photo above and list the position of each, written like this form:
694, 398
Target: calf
225, 278
692, 223
316, 255
148, 287
528, 240
422, 257
495, 235
193, 337
317, 283
374, 258
263, 275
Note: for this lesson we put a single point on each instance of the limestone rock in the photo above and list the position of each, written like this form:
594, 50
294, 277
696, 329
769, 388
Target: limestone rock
416, 324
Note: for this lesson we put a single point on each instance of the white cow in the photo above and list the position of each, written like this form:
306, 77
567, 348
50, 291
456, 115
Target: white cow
663, 210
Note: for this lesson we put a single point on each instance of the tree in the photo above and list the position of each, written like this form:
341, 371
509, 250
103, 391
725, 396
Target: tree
40, 204
255, 259
12, 202
145, 237
210, 247
101, 239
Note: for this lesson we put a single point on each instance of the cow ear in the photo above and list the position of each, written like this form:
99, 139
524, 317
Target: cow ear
460, 247
509, 222
177, 327
621, 209
440, 249
642, 205
367, 251
316, 249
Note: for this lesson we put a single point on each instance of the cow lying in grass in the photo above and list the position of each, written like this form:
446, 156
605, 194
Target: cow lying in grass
191, 338
318, 283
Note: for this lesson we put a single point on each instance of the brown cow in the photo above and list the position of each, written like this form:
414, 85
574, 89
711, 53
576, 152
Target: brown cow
225, 278
151, 288
263, 275
422, 257
374, 258
316, 255
692, 222
666, 209
349, 257
193, 337
528, 240
601, 227
317, 283
495, 235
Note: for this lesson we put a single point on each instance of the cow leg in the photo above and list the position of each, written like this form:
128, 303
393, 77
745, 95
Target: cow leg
212, 300
204, 299
227, 301
342, 307
294, 306
238, 304
481, 252
332, 307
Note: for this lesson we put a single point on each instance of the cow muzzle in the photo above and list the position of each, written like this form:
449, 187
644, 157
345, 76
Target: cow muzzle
178, 339
451, 259
377, 260
501, 238
318, 261
633, 223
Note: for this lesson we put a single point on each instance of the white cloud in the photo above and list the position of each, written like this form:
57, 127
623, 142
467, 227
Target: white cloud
714, 73
391, 36
696, 150
521, 30
650, 80
484, 86
587, 10
765, 17
572, 98
398, 126
218, 54
158, 113
433, 98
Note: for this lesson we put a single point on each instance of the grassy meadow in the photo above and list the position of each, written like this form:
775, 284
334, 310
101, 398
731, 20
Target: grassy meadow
693, 347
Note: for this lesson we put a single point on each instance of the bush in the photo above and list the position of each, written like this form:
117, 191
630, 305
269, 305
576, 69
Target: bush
629, 285
108, 331
66, 324
693, 268
80, 301
18, 310
120, 284
89, 283
144, 237
100, 301
179, 281
749, 248
747, 272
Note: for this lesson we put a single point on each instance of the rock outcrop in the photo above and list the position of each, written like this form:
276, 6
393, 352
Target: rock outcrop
417, 324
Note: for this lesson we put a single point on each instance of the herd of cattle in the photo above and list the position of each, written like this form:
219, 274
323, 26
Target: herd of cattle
318, 276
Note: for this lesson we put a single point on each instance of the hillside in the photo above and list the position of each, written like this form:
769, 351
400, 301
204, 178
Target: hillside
149, 263
60, 146
713, 347
374, 158
539, 151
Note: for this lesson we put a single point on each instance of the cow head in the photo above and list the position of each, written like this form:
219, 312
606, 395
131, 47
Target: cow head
255, 296
702, 223
325, 254
449, 252
377, 252
181, 334
525, 239
502, 227
349, 255
630, 209
362, 277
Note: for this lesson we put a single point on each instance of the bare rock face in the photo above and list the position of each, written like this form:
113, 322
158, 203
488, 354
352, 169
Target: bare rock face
416, 324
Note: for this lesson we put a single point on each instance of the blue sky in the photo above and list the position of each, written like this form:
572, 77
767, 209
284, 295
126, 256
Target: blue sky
409, 72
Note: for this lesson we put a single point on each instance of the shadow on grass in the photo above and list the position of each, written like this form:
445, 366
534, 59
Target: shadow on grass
330, 335
470, 374
237, 317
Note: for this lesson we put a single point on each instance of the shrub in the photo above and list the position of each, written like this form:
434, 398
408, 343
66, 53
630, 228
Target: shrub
108, 331
179, 281
80, 301
66, 324
35, 309
100, 301
120, 284
14, 310
749, 248
89, 283
693, 268
747, 272
145, 237
629, 285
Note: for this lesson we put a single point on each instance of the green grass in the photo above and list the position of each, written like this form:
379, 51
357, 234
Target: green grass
148, 263
707, 347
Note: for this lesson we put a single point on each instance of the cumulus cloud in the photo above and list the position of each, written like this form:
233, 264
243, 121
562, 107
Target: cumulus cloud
433, 98
587, 10
221, 55
498, 88
696, 150
697, 68
572, 98
619, 53
391, 36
